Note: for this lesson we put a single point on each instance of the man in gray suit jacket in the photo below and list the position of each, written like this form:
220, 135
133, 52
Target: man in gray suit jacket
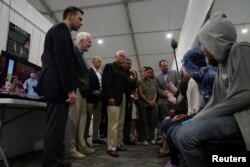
162, 88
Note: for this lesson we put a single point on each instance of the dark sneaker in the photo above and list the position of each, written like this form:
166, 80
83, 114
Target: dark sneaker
98, 141
113, 153
65, 164
130, 142
121, 148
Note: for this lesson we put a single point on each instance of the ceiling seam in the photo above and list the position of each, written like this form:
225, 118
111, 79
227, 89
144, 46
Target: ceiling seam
135, 33
50, 12
91, 6
125, 2
141, 55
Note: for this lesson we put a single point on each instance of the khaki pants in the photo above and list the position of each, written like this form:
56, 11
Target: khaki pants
116, 115
96, 110
74, 134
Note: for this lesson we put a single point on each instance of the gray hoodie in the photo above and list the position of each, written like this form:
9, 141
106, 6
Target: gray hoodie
231, 91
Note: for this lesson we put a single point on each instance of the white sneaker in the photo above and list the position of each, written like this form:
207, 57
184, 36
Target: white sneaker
145, 143
153, 142
74, 155
86, 150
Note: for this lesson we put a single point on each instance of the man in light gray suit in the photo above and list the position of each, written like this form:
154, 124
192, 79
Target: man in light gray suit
162, 89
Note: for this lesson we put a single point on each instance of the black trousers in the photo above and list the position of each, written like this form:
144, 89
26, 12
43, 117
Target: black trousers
57, 114
103, 129
127, 123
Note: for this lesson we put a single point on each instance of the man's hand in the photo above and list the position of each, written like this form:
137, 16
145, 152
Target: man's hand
165, 93
71, 98
179, 117
168, 80
171, 113
176, 118
111, 101
97, 93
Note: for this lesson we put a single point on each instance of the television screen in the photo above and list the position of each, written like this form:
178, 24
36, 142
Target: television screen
18, 78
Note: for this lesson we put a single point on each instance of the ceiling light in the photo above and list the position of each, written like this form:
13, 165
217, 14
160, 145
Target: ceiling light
169, 35
100, 41
244, 30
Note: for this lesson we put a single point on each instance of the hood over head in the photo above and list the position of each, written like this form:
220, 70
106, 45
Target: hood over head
217, 36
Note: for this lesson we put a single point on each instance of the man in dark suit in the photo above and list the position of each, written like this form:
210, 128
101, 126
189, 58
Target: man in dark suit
76, 147
115, 88
58, 83
94, 101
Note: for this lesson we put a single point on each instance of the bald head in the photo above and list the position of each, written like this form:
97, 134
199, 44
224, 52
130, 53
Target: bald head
97, 62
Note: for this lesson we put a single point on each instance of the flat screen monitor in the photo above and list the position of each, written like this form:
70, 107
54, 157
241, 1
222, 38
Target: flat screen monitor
18, 78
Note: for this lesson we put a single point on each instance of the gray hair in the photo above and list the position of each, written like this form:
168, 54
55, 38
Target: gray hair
119, 52
82, 35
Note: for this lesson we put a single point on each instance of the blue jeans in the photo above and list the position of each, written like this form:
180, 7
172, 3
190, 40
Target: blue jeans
168, 126
162, 112
188, 138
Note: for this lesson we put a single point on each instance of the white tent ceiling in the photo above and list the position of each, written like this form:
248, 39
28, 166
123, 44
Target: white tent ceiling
138, 26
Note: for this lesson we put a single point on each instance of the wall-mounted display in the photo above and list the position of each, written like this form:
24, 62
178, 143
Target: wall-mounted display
18, 43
